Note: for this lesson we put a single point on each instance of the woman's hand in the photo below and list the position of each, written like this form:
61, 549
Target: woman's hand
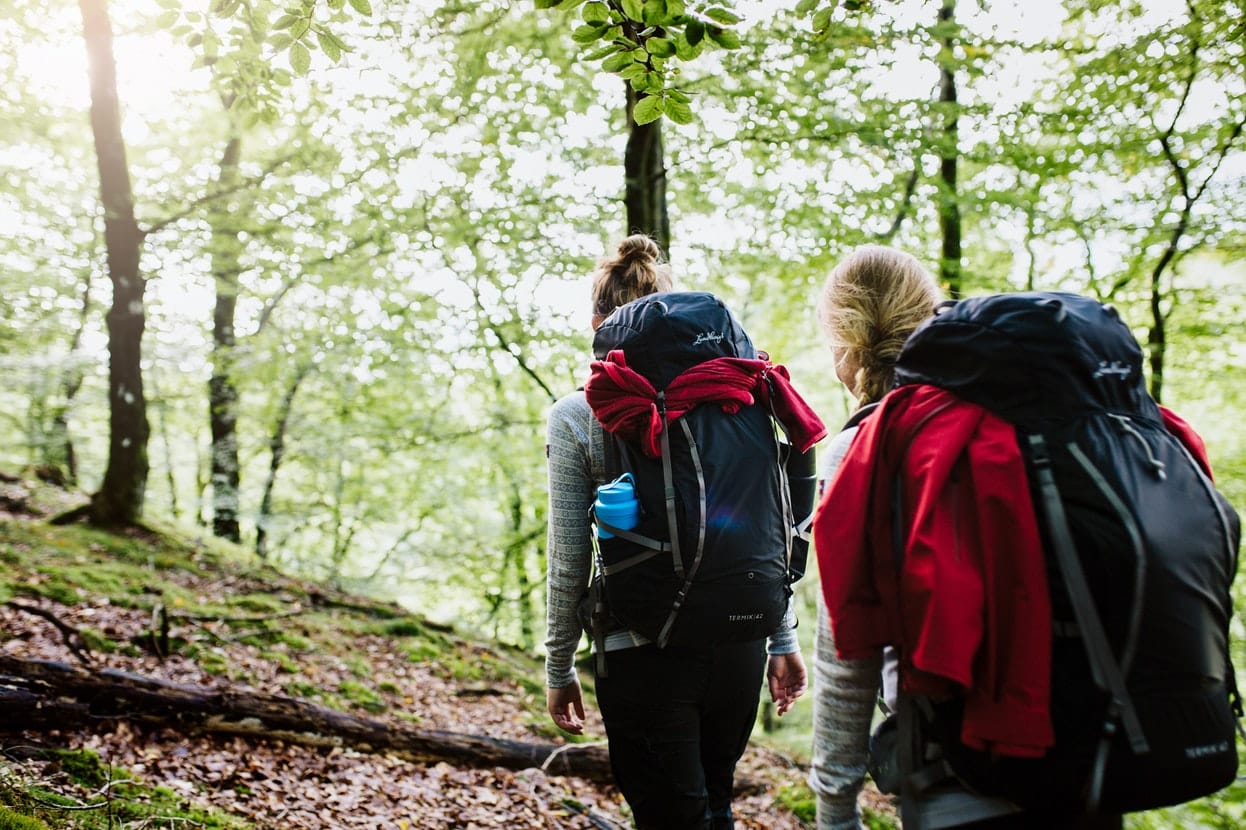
787, 679
566, 707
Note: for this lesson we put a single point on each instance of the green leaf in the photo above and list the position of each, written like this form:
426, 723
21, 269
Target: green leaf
653, 12
598, 54
822, 20
648, 109
167, 19
695, 32
597, 14
564, 5
329, 46
725, 38
633, 71
653, 82
587, 34
336, 5
720, 15
805, 6
546, 4
678, 111
285, 21
280, 42
364, 7
675, 9
678, 95
300, 59
660, 47
633, 9
683, 50
616, 62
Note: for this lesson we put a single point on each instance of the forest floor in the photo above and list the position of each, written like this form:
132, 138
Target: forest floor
235, 624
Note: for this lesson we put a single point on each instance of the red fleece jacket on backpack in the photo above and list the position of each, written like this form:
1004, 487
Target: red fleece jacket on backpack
970, 610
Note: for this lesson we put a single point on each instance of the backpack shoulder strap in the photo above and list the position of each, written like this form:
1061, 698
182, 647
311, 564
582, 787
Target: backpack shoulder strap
860, 415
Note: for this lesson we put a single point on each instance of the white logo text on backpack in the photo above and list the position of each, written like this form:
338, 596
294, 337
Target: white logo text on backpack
708, 337
1114, 368
1206, 750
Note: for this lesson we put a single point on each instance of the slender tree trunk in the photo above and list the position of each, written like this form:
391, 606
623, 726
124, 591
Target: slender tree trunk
644, 171
516, 554
161, 406
277, 446
222, 391
60, 450
949, 206
119, 500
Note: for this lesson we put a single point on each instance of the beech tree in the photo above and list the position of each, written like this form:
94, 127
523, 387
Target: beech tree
119, 499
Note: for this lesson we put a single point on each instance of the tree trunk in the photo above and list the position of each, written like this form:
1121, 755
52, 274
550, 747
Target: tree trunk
222, 391
60, 450
644, 171
277, 446
949, 206
119, 500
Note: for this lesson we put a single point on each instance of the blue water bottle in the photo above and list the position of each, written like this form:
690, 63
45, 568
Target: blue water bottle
616, 505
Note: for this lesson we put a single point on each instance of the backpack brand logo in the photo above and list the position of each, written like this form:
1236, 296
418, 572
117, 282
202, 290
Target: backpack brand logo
708, 337
744, 617
1206, 750
1115, 368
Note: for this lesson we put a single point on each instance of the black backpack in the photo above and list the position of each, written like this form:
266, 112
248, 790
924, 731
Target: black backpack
1140, 550
716, 550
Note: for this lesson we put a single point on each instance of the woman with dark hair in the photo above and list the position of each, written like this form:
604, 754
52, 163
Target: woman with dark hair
677, 718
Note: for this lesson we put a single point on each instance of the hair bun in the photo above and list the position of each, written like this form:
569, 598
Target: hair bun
639, 247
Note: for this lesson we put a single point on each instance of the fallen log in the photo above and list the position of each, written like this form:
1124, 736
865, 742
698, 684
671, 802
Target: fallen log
44, 694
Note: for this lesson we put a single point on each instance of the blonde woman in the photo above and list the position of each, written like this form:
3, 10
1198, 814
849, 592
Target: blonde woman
871, 302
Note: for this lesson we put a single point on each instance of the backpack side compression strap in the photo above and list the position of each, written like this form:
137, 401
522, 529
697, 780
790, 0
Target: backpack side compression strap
1103, 666
665, 634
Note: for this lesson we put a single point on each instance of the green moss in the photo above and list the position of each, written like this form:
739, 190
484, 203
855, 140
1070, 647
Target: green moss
96, 641
455, 667
359, 667
54, 589
82, 766
301, 688
402, 628
295, 641
284, 661
212, 662
799, 800
362, 696
10, 820
423, 652
259, 604
878, 821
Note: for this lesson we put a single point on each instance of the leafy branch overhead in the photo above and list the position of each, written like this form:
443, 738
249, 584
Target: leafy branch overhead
233, 36
820, 12
300, 32
642, 42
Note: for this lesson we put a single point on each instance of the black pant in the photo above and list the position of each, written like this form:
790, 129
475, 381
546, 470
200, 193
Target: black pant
677, 721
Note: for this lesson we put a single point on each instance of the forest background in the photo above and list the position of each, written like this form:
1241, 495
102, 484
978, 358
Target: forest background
309, 277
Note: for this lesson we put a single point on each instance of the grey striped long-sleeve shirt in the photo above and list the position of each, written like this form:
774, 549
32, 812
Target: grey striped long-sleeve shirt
575, 447
845, 693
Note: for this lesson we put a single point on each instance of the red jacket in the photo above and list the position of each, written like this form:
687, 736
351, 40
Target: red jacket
625, 402
975, 615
